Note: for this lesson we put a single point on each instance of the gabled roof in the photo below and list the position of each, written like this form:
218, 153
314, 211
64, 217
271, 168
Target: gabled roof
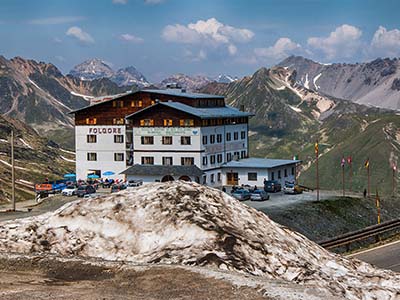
162, 170
259, 163
168, 92
200, 112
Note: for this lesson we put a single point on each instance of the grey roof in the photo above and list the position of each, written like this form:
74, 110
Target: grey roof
161, 170
259, 163
179, 93
201, 112
170, 92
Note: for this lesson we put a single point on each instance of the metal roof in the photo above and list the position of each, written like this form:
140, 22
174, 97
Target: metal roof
168, 92
259, 163
161, 170
201, 112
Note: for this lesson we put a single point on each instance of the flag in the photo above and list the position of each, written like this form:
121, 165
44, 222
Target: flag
343, 162
394, 167
366, 164
349, 160
316, 148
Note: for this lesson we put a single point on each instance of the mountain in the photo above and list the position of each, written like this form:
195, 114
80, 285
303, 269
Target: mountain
41, 96
289, 118
35, 159
225, 78
375, 83
190, 83
97, 69
181, 223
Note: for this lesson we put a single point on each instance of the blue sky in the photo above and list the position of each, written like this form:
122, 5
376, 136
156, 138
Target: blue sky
163, 37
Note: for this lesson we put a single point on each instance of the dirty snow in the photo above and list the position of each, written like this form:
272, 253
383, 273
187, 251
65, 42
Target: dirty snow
315, 81
25, 143
190, 224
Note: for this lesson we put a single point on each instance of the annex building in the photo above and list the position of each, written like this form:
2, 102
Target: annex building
160, 135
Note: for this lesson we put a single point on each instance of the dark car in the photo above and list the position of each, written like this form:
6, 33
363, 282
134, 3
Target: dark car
259, 195
85, 190
241, 194
272, 186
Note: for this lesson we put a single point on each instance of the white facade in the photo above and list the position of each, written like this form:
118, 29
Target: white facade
98, 150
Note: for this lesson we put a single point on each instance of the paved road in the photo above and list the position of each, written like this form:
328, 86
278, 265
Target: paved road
385, 256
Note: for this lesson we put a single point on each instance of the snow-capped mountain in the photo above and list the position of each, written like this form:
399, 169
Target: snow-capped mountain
375, 83
128, 76
96, 68
190, 224
222, 78
187, 82
92, 69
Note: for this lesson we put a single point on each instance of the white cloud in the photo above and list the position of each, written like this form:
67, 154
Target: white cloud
79, 34
195, 57
131, 38
210, 32
57, 40
344, 42
282, 48
386, 43
56, 20
119, 1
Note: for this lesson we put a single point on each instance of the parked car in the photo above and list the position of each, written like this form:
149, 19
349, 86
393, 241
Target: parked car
134, 183
91, 195
259, 195
241, 194
85, 190
272, 186
70, 190
291, 188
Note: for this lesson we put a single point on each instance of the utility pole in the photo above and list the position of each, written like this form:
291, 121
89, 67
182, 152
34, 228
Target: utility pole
12, 172
342, 163
316, 148
394, 168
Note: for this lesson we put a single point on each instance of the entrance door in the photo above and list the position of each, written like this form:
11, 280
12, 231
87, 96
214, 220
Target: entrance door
232, 178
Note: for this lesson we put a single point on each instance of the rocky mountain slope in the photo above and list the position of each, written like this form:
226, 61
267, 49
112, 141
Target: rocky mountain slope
376, 83
35, 159
289, 118
187, 82
41, 96
190, 224
97, 69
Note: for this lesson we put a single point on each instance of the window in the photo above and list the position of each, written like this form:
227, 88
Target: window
147, 140
242, 154
119, 138
91, 138
91, 121
219, 138
147, 160
219, 158
167, 161
167, 140
236, 155
293, 171
272, 175
186, 122
147, 122
118, 121
228, 156
212, 178
212, 139
279, 174
228, 136
118, 103
219, 177
205, 160
185, 140
212, 159
204, 179
204, 123
167, 122
91, 156
243, 135
187, 161
252, 176
236, 135
204, 140
285, 172
118, 157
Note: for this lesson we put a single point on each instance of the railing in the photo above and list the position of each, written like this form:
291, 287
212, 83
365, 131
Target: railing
359, 235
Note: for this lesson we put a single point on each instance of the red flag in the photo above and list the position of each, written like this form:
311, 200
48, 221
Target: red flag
343, 162
349, 160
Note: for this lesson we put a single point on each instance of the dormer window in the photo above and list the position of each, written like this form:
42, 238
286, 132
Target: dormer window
186, 122
147, 122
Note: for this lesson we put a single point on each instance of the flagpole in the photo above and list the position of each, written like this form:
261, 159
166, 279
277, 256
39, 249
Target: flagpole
317, 154
369, 194
393, 180
343, 179
351, 174
378, 207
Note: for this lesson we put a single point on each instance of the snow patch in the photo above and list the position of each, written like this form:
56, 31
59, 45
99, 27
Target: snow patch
67, 151
281, 88
25, 143
67, 159
86, 97
307, 82
296, 109
315, 81
4, 141
9, 165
